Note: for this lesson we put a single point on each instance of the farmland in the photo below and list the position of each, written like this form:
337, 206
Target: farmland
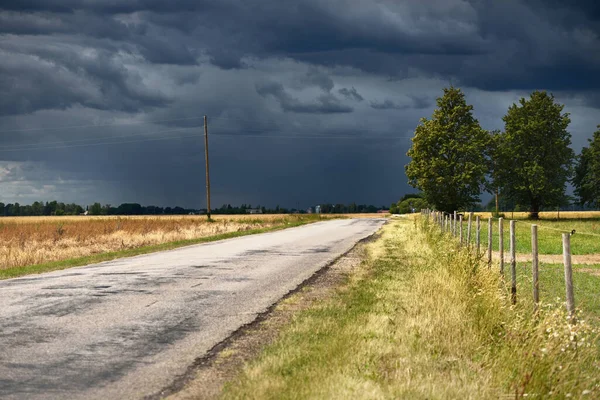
585, 241
30, 241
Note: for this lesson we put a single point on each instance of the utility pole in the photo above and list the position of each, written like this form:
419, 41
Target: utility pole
207, 171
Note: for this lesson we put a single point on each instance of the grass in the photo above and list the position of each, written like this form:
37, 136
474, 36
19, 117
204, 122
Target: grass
35, 246
586, 281
585, 241
547, 215
423, 319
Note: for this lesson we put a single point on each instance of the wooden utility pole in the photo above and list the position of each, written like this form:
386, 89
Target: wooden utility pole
207, 170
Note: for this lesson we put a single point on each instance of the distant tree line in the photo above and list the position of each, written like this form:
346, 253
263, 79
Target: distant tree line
326, 208
454, 160
39, 208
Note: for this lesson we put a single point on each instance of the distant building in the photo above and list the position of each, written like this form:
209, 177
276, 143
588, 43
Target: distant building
309, 210
318, 209
254, 211
383, 211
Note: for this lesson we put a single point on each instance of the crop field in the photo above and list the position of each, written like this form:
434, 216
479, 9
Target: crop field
27, 241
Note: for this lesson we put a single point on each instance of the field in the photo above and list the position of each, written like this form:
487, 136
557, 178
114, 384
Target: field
585, 241
30, 241
547, 215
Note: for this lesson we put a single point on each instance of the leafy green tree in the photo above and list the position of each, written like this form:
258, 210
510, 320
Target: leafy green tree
533, 159
587, 173
414, 203
448, 154
95, 209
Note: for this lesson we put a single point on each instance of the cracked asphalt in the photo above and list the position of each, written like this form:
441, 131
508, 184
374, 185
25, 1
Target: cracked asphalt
128, 328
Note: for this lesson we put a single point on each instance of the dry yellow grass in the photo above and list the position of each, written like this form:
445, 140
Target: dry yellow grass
35, 240
421, 318
547, 214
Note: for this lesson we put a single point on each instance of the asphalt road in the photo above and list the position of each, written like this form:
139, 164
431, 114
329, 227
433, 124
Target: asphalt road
128, 328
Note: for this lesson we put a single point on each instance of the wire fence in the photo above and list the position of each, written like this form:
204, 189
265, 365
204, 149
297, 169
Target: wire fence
467, 232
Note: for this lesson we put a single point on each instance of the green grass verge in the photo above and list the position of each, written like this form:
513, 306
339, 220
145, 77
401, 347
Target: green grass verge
421, 318
549, 235
16, 272
586, 281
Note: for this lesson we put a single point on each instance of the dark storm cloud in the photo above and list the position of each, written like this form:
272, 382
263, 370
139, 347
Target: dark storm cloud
264, 69
388, 104
324, 104
351, 94
416, 102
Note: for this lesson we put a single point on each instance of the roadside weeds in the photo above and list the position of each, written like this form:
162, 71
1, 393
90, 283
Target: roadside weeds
423, 318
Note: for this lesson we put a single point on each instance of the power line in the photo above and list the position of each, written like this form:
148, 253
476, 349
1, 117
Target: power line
98, 125
111, 140
65, 142
103, 143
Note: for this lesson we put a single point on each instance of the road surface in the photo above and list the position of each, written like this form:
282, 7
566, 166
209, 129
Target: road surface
128, 328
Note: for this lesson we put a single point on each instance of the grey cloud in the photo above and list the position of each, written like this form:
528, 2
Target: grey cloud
351, 94
316, 77
387, 104
265, 69
324, 104
62, 76
417, 102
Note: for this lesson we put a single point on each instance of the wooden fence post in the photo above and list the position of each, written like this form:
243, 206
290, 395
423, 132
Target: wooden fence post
501, 244
534, 267
478, 239
566, 238
489, 243
469, 230
460, 228
513, 262
455, 222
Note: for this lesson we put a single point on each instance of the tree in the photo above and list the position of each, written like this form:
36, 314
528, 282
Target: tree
587, 173
448, 154
533, 159
407, 206
95, 209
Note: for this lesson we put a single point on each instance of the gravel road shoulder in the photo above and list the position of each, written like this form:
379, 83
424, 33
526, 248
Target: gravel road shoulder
207, 377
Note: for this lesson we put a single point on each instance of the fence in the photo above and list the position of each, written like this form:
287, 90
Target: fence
453, 224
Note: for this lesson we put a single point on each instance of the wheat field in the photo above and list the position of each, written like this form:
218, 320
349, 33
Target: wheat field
35, 240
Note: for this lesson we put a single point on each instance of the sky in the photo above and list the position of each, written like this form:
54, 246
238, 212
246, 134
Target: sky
308, 102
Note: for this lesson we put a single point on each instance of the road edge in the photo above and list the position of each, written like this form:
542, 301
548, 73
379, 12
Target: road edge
212, 356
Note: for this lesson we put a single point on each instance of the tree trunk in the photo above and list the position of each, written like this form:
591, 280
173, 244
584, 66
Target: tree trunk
534, 213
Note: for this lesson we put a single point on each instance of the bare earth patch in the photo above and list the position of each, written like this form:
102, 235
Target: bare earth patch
205, 379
